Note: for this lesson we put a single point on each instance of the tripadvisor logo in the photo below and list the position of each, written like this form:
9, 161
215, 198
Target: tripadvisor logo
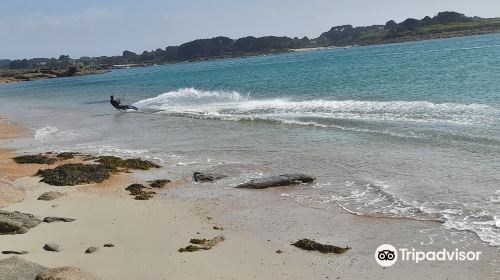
387, 255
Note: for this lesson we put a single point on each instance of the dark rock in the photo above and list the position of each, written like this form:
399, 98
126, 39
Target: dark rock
74, 174
91, 250
115, 163
48, 196
311, 245
108, 245
277, 181
279, 252
58, 219
34, 159
15, 268
160, 183
218, 228
52, 247
65, 273
207, 177
16, 222
14, 252
135, 189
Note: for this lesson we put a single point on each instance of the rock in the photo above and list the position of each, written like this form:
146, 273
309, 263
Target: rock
277, 181
207, 177
34, 159
15, 268
91, 250
311, 245
48, 196
160, 183
135, 189
15, 252
108, 245
74, 174
202, 244
58, 219
66, 273
16, 222
52, 247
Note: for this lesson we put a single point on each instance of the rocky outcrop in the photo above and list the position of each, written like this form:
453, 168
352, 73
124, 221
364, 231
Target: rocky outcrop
66, 273
207, 177
58, 219
52, 195
52, 247
277, 181
15, 268
16, 222
34, 159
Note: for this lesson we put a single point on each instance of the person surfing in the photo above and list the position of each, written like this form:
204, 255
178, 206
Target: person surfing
117, 104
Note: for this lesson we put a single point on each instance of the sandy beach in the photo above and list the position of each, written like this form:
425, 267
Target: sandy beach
255, 225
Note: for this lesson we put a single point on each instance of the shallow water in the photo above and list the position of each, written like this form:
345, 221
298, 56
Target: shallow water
404, 130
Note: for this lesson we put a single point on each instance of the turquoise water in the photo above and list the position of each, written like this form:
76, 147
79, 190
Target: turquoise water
406, 130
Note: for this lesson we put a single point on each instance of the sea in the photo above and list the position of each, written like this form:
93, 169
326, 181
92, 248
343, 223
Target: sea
409, 130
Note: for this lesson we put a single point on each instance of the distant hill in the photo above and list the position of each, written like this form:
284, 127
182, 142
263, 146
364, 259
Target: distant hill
443, 25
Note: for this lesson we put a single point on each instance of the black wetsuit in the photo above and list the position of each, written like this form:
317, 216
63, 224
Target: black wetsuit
117, 105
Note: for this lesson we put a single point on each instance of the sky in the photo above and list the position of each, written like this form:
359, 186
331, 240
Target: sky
49, 28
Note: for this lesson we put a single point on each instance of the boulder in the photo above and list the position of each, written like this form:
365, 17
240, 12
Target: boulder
52, 247
16, 222
277, 181
66, 273
58, 219
48, 196
207, 177
15, 268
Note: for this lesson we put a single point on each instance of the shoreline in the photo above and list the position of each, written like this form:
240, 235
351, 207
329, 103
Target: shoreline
256, 224
408, 39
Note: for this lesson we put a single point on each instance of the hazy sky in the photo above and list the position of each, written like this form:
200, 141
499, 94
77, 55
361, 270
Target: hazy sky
48, 28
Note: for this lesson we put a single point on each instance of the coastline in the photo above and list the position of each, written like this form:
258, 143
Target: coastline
256, 224
32, 74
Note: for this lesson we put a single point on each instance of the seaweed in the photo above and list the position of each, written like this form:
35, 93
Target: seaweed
74, 174
202, 244
115, 163
66, 155
135, 189
159, 183
34, 159
144, 196
311, 245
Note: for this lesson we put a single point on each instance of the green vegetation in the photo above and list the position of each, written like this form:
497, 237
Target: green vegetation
444, 24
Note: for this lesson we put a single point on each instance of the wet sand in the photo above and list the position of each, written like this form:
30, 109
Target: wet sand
147, 234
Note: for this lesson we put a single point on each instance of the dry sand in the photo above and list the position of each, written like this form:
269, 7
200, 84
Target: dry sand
147, 234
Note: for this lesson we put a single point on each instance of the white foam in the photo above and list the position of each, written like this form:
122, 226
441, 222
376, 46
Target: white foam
231, 105
45, 133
